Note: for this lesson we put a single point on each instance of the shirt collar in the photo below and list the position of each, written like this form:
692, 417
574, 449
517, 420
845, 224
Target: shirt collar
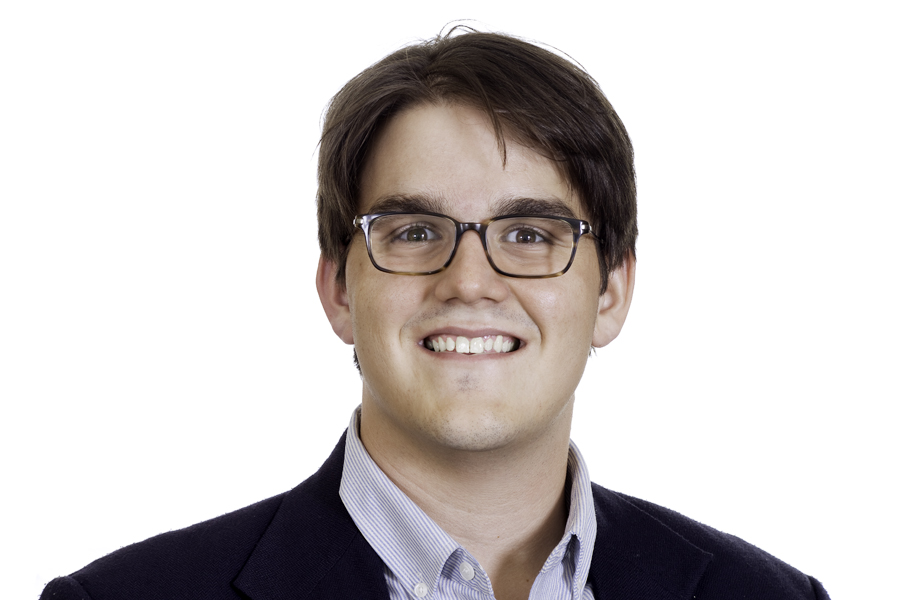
580, 525
415, 548
412, 546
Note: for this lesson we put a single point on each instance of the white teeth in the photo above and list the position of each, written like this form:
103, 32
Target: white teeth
475, 345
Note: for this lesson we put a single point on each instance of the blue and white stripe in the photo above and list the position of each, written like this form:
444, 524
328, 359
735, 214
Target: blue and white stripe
422, 561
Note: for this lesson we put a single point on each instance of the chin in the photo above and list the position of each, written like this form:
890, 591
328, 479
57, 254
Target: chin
473, 429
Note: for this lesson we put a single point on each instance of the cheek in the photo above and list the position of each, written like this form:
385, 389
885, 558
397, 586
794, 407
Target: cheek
578, 289
380, 303
364, 301
567, 313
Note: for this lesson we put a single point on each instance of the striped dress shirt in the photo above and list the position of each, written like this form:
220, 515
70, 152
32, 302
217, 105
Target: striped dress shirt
422, 561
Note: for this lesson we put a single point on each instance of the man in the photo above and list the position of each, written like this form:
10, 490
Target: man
477, 221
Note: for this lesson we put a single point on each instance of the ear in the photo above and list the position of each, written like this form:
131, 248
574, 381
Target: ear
614, 304
334, 300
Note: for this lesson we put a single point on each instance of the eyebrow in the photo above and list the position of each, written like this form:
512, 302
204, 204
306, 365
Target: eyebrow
537, 207
416, 203
408, 203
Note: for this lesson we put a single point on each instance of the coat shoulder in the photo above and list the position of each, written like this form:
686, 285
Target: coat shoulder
736, 568
206, 560
195, 562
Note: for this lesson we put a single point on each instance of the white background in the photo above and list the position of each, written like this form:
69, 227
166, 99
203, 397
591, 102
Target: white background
164, 358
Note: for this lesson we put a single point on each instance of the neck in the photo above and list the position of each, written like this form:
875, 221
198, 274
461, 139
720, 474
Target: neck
504, 505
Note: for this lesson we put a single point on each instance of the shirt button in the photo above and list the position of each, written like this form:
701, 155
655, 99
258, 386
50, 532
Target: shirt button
421, 590
467, 572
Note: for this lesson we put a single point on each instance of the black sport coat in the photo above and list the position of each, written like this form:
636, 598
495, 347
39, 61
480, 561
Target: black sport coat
303, 544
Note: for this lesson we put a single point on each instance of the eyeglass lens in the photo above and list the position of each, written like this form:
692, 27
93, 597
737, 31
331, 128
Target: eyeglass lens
417, 243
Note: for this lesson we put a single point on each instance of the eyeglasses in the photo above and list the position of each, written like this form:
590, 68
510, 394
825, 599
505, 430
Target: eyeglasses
516, 245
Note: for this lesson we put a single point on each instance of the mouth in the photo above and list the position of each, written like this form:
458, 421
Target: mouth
483, 344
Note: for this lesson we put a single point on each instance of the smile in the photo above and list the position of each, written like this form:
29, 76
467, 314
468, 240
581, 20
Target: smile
487, 344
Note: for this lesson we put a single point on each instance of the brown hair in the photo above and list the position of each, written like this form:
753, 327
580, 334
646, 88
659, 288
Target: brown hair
539, 98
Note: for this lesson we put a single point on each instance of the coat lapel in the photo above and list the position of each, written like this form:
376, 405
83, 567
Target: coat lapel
312, 548
636, 557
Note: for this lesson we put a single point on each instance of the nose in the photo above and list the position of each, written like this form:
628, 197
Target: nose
470, 277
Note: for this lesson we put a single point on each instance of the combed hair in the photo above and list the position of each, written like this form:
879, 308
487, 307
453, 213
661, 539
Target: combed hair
531, 95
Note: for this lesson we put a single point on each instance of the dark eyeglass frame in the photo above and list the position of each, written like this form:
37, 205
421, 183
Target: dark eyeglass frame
579, 228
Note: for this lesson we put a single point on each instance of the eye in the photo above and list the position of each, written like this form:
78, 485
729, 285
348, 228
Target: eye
417, 234
523, 236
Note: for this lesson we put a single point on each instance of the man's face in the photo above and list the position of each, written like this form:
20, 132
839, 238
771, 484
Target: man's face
446, 157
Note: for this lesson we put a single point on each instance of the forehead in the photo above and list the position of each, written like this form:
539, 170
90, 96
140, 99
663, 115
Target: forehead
447, 158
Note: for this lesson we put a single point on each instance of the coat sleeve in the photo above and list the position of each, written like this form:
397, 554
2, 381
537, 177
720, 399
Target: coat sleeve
64, 588
820, 592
